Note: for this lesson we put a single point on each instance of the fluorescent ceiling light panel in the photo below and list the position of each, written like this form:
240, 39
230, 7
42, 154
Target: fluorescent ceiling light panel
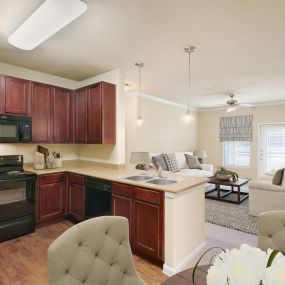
47, 20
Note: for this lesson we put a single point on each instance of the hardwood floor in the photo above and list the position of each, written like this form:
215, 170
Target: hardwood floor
23, 260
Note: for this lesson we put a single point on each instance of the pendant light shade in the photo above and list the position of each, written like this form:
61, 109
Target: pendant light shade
188, 117
47, 20
139, 120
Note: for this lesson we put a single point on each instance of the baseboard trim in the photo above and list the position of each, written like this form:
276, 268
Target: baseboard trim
169, 271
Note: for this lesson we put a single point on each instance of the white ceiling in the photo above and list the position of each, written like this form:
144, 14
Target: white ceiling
240, 46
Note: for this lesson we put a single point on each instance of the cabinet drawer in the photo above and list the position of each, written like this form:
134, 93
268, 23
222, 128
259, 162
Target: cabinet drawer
122, 190
51, 178
76, 179
146, 195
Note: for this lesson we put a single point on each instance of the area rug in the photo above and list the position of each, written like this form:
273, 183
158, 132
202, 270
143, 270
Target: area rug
231, 216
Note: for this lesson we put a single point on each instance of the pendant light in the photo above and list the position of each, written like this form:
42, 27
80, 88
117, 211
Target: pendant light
188, 116
139, 121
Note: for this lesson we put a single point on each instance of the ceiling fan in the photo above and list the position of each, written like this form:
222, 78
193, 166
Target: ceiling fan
233, 104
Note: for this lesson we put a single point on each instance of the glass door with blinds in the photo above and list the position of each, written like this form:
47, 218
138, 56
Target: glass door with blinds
271, 147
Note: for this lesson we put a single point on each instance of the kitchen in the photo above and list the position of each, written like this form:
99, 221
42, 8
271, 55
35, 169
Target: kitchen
51, 115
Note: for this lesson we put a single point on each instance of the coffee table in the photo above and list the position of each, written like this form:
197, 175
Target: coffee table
185, 277
222, 193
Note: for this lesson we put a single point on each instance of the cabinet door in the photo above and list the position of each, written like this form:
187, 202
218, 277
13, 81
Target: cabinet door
76, 204
122, 206
94, 114
81, 116
51, 200
108, 135
62, 115
16, 97
41, 115
148, 223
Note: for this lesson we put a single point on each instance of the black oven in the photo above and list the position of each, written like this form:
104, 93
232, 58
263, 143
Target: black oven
17, 206
15, 129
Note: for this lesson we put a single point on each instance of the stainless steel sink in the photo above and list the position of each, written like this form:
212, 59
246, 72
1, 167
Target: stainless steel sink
139, 177
162, 181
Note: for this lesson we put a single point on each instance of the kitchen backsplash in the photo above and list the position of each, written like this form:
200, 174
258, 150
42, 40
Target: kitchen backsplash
69, 152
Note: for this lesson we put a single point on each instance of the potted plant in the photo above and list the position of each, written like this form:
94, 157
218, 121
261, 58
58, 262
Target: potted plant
226, 174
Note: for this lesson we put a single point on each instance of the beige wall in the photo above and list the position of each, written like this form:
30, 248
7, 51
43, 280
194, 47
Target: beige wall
114, 154
162, 131
69, 151
208, 133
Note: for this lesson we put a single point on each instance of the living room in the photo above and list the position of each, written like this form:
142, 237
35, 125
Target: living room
125, 156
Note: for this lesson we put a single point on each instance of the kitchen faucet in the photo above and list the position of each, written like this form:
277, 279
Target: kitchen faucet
158, 169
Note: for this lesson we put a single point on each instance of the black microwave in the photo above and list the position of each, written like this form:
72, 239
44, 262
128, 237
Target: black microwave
15, 129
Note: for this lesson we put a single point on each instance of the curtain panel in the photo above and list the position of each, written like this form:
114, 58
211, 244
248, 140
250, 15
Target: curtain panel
236, 128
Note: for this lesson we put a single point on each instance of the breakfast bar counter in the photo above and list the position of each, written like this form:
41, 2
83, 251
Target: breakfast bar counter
180, 215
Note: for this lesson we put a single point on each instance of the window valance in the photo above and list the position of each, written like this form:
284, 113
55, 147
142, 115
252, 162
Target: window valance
236, 128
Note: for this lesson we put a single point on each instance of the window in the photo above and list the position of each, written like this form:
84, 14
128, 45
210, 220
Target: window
237, 153
272, 147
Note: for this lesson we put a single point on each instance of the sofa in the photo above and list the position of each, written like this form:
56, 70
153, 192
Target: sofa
207, 169
264, 196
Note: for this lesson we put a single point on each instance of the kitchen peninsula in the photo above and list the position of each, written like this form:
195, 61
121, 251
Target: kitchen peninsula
166, 221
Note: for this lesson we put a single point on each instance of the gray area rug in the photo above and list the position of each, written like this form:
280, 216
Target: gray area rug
231, 216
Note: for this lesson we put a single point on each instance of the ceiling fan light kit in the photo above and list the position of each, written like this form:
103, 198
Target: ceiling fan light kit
188, 116
233, 105
47, 20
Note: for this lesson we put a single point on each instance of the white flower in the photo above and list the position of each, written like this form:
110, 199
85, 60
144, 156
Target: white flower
243, 272
217, 275
275, 274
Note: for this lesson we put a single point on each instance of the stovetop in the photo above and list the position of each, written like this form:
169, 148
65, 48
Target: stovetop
11, 167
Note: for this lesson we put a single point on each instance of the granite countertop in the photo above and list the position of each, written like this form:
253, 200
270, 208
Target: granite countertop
116, 174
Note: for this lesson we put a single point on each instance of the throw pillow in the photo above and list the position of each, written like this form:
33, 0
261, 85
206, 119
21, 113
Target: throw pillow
171, 162
277, 178
161, 160
193, 162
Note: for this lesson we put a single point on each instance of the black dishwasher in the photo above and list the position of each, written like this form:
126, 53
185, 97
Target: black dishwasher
98, 197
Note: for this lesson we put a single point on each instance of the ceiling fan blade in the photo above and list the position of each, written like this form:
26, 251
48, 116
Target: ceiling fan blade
219, 107
246, 106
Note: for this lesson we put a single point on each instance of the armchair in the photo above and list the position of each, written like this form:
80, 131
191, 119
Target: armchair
264, 196
271, 230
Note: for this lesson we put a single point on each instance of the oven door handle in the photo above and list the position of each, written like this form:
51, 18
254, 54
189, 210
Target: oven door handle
17, 179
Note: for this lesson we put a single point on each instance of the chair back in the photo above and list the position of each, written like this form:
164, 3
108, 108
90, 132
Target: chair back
96, 251
271, 230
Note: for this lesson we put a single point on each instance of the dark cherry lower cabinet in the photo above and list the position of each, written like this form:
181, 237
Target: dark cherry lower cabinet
51, 196
76, 197
144, 209
61, 194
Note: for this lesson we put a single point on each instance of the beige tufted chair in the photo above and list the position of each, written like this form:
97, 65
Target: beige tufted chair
271, 230
94, 252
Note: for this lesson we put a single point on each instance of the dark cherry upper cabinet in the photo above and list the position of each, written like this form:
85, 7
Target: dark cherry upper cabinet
51, 196
62, 115
108, 113
80, 116
95, 114
15, 96
41, 113
148, 208
76, 197
94, 119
